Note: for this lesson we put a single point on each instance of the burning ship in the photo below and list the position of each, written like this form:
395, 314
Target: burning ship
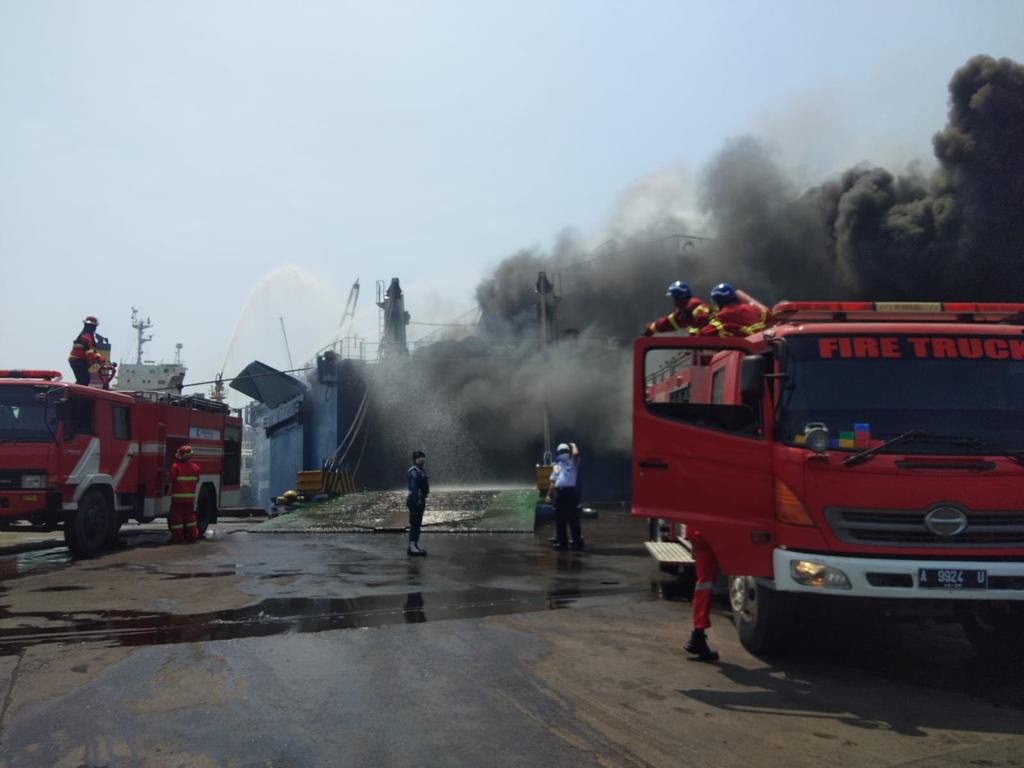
358, 417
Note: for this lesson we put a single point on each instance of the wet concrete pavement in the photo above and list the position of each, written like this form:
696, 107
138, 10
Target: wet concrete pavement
336, 649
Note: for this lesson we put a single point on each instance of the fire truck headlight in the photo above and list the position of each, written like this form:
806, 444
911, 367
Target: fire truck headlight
33, 481
817, 438
817, 575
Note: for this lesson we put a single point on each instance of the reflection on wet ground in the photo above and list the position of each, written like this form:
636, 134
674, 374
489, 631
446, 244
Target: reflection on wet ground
308, 583
276, 616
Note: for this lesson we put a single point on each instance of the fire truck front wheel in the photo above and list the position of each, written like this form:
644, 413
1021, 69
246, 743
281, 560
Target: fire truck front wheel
90, 527
761, 615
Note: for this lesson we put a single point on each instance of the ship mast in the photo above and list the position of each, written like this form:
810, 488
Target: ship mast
140, 326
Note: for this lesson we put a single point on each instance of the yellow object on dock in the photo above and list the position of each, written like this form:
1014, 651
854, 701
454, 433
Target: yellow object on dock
316, 481
543, 477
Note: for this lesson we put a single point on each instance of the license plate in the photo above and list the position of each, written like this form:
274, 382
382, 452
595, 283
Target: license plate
952, 578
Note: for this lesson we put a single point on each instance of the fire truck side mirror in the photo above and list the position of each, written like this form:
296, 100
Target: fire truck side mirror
752, 373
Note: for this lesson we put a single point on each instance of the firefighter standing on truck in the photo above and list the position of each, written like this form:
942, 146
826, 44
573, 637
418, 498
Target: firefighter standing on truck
184, 476
690, 314
83, 353
737, 315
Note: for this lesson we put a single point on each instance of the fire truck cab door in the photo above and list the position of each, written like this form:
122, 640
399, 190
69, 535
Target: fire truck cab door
699, 452
124, 461
80, 449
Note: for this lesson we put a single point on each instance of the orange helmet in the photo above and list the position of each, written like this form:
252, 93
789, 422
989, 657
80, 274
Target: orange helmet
91, 320
185, 452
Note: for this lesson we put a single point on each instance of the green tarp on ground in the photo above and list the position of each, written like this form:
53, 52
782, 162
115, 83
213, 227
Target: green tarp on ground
456, 511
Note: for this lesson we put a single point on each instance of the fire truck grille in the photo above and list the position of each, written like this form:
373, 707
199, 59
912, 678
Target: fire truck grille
900, 528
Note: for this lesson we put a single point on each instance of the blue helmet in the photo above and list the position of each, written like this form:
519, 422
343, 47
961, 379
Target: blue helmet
679, 290
723, 294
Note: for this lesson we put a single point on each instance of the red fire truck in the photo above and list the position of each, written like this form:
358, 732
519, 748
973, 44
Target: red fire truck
851, 450
91, 459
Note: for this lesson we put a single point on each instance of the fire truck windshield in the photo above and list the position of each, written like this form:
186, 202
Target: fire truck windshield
25, 416
867, 389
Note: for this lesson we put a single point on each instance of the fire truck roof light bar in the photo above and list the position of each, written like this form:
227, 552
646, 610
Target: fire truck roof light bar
926, 311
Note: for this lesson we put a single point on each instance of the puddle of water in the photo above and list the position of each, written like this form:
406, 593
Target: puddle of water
284, 574
276, 616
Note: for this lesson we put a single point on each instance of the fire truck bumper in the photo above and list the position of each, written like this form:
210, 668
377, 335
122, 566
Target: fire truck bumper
812, 573
16, 504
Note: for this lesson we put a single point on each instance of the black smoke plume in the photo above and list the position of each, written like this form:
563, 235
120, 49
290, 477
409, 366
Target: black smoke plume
870, 233
956, 232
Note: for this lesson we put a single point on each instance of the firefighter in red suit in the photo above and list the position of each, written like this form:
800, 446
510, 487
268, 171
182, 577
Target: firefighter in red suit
737, 314
690, 313
83, 352
184, 478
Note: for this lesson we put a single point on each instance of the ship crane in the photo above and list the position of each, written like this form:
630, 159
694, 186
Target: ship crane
350, 305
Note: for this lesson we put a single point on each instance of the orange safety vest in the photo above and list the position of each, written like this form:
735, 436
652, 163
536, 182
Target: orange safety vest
84, 348
184, 479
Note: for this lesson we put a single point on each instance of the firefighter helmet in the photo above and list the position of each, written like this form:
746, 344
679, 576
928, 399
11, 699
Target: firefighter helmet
185, 452
679, 290
723, 294
91, 320
290, 497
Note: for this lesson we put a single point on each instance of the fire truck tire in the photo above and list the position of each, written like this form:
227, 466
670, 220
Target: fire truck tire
995, 631
761, 615
87, 530
206, 509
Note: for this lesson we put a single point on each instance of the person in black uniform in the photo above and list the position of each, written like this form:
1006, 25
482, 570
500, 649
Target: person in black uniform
416, 501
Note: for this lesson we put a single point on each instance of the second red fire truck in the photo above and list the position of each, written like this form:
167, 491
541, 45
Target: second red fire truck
851, 450
92, 459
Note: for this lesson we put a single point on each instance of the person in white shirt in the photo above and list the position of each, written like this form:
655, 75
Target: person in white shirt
564, 488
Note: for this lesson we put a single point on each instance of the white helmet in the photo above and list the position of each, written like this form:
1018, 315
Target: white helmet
562, 447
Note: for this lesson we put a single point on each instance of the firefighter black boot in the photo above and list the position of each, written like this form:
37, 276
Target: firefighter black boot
415, 551
698, 646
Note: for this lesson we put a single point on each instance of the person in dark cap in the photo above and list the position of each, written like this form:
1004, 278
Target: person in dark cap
416, 501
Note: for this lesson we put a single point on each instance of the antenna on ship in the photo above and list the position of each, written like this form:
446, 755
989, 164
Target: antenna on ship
140, 326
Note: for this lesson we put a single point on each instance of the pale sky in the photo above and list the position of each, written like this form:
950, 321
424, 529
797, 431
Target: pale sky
171, 155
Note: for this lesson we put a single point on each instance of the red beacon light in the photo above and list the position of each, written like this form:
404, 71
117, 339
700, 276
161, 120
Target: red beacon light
30, 373
921, 311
